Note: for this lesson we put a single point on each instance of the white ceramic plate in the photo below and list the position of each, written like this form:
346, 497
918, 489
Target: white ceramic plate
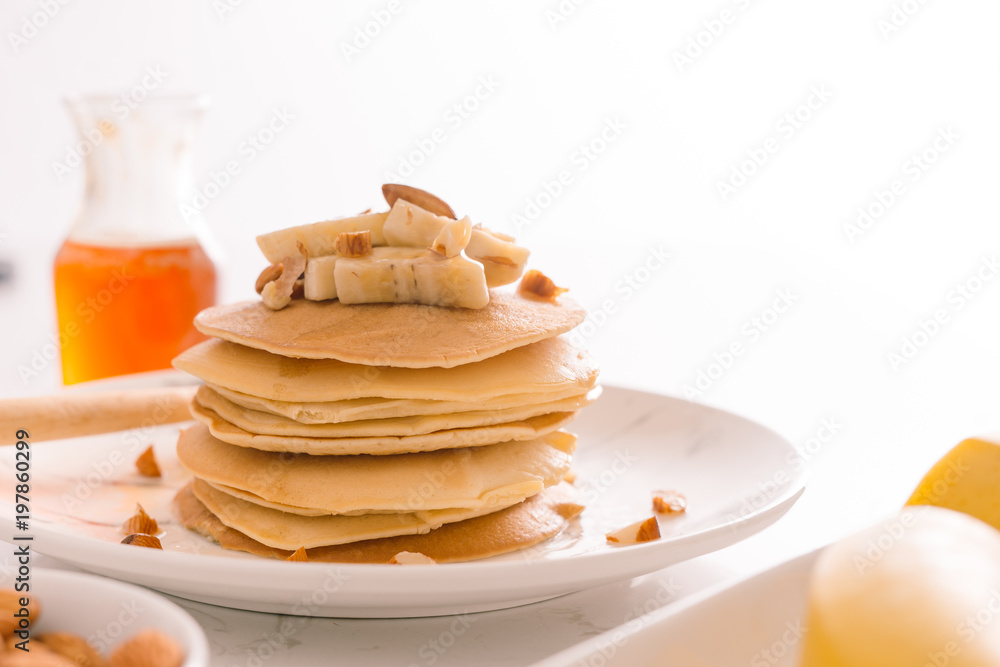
738, 478
756, 622
107, 612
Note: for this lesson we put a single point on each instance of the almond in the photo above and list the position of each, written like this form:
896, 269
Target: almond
146, 464
268, 275
148, 648
536, 285
421, 198
278, 293
73, 647
140, 522
143, 540
640, 531
299, 555
354, 244
669, 502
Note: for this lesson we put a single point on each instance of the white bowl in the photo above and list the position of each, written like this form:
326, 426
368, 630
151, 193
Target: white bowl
107, 612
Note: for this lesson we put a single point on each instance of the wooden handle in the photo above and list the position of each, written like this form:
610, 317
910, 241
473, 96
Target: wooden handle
70, 415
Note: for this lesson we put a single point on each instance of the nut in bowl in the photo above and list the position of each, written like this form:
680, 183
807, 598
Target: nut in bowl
82, 619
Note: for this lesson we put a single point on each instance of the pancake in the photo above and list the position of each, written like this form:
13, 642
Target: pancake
336, 412
264, 423
281, 530
549, 366
452, 478
520, 526
398, 335
527, 429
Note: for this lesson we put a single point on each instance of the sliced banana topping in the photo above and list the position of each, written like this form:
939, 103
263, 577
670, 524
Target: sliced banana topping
453, 237
417, 252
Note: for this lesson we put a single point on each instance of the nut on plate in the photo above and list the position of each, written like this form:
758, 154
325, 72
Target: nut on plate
646, 530
146, 464
140, 523
669, 502
143, 540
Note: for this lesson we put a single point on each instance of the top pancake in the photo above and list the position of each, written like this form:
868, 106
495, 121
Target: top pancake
401, 335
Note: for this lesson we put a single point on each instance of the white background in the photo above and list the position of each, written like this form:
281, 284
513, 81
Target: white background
891, 90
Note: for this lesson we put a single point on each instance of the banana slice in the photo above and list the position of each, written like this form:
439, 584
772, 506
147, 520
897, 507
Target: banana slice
503, 261
320, 283
411, 275
319, 238
453, 237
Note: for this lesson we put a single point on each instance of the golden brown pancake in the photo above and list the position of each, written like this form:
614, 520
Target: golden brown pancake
520, 526
527, 429
282, 530
336, 412
399, 335
475, 477
548, 366
255, 421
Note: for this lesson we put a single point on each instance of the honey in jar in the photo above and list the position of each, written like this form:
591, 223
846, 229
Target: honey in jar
132, 274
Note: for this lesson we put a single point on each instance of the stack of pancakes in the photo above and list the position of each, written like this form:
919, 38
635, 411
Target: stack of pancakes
358, 432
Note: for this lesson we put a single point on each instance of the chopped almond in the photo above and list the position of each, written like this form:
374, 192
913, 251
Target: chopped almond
669, 502
536, 285
299, 555
146, 464
143, 540
354, 244
140, 522
278, 293
640, 531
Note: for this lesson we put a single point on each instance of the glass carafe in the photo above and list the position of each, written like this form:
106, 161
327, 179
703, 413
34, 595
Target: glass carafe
132, 273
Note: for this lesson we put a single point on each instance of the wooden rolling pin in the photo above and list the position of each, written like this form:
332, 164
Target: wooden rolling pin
74, 414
